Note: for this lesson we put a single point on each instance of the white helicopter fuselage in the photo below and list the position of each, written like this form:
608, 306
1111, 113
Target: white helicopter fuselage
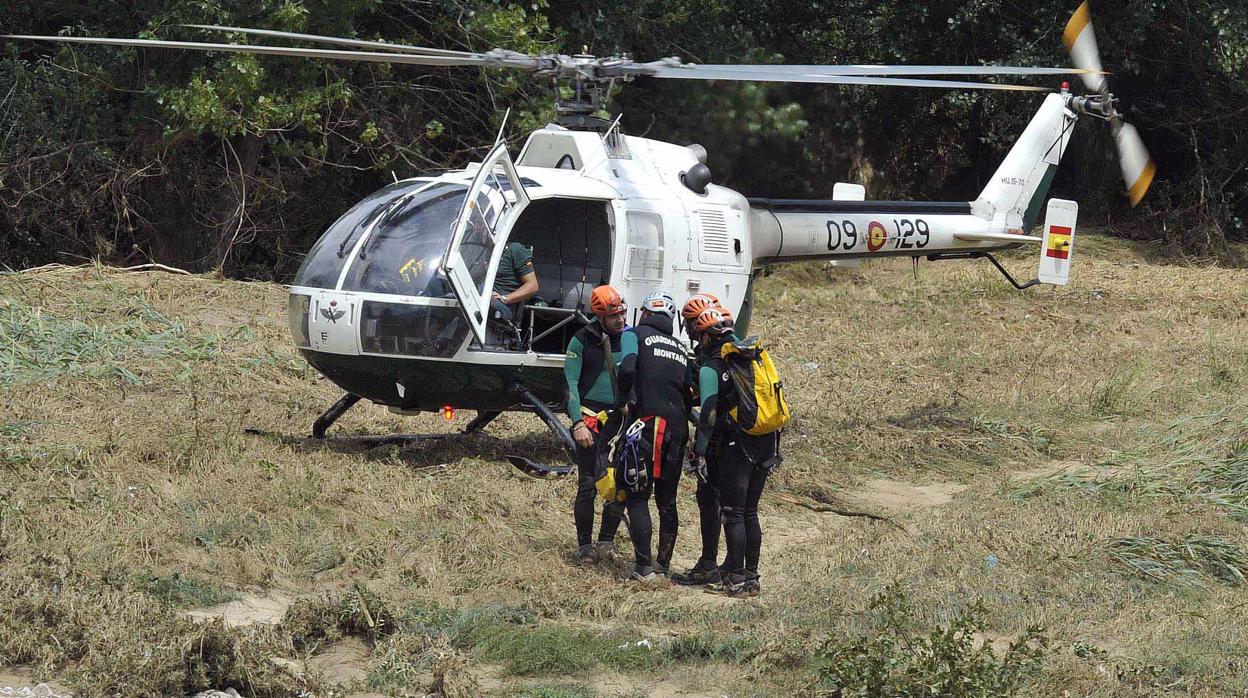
644, 230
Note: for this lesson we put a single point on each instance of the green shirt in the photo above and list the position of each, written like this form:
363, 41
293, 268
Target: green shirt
516, 263
600, 391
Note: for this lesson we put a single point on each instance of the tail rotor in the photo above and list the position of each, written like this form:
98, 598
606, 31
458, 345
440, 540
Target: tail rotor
1138, 169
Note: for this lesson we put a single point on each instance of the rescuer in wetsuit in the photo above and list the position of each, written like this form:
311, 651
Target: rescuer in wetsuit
706, 570
593, 356
744, 460
655, 375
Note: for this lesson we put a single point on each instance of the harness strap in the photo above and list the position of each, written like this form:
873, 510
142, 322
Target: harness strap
660, 425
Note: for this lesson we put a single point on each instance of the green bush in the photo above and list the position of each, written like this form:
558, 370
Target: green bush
950, 662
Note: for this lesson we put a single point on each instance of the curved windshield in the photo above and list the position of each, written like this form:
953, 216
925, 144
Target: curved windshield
405, 249
324, 263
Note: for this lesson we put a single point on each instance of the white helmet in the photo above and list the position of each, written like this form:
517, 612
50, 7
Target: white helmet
660, 303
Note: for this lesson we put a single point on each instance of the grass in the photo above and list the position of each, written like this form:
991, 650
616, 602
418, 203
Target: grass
43, 347
1190, 560
175, 590
1102, 475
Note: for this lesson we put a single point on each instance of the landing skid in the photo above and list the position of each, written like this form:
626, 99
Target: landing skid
477, 425
533, 468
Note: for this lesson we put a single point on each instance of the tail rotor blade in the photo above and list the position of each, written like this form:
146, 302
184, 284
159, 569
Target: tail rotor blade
1138, 169
1080, 43
1137, 166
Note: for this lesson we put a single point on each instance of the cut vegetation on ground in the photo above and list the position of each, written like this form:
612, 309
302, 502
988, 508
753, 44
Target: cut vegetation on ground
984, 492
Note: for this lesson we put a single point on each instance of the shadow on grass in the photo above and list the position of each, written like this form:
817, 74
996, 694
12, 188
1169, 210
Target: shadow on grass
429, 450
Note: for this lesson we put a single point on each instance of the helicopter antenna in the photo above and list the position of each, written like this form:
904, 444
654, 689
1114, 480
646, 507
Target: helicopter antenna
503, 127
613, 128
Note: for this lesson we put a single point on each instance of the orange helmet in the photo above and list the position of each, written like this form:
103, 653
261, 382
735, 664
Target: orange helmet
714, 321
606, 301
695, 305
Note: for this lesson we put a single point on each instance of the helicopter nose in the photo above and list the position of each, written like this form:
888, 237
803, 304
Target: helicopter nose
332, 320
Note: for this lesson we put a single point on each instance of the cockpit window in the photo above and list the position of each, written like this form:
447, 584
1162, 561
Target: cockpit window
405, 249
324, 263
412, 330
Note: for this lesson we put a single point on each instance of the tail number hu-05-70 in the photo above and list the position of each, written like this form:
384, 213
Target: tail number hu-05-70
906, 234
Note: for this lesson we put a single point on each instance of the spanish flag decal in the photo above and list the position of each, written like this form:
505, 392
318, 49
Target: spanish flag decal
1059, 242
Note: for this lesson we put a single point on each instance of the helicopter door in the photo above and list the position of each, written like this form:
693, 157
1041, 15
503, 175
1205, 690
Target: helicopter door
495, 199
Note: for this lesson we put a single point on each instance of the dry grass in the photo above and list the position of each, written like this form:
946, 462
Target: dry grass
129, 492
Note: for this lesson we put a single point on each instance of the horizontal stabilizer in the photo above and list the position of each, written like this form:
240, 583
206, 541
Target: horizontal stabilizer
1059, 241
995, 237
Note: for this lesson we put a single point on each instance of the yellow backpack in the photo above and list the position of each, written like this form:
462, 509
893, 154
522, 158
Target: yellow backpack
761, 407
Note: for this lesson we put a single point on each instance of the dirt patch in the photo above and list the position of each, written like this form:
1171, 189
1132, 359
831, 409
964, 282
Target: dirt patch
249, 609
345, 661
900, 497
998, 642
491, 679
18, 679
622, 684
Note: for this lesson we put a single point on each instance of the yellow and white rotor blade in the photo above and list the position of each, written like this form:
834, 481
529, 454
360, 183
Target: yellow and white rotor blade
1080, 43
1138, 169
1137, 166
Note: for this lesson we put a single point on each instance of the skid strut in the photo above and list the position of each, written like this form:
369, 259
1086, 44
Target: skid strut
552, 421
331, 415
982, 255
530, 467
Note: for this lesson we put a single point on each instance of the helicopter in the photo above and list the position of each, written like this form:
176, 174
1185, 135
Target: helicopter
392, 303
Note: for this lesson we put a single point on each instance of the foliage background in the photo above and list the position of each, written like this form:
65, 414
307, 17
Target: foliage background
238, 163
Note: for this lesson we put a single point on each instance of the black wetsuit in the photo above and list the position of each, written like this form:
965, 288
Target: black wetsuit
743, 462
707, 494
590, 393
655, 376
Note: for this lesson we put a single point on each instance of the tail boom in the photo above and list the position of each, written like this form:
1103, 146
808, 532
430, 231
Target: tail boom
1000, 217
791, 231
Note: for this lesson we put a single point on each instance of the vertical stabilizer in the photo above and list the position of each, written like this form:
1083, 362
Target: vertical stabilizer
1018, 187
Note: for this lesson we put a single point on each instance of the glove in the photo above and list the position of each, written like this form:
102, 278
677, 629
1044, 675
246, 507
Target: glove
696, 467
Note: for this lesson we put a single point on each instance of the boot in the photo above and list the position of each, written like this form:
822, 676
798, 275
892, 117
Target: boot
604, 550
644, 573
736, 585
702, 573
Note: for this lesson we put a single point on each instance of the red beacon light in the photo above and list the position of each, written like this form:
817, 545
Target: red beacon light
448, 413
1065, 86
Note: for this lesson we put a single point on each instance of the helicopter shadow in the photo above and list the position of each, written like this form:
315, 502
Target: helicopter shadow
422, 451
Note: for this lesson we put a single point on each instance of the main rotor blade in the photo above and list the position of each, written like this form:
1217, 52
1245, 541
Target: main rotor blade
400, 48
490, 61
886, 70
763, 75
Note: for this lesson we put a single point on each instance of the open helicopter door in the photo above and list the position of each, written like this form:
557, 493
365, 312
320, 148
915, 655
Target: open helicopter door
494, 201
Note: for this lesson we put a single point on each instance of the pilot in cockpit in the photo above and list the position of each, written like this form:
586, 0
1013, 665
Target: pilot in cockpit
514, 283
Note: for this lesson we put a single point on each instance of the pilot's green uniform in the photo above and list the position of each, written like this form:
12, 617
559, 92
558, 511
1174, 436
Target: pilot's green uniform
515, 264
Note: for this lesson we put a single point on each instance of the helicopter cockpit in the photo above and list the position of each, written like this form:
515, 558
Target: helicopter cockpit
409, 271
